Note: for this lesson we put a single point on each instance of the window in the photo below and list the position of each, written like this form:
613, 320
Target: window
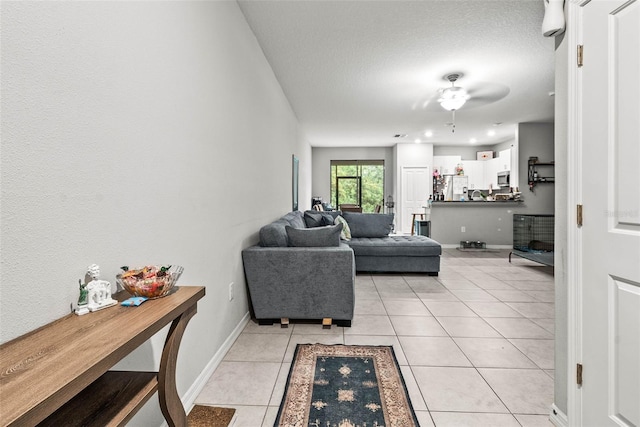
358, 182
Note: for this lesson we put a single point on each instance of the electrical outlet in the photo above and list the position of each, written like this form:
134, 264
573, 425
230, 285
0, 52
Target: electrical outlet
231, 291
463, 229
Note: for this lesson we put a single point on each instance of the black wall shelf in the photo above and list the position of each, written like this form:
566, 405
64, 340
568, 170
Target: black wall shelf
535, 176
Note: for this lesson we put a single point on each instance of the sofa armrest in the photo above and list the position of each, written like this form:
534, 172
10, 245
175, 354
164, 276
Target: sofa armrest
301, 283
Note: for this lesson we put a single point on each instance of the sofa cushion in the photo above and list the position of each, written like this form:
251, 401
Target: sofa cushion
395, 246
369, 224
314, 237
295, 219
345, 234
274, 234
317, 219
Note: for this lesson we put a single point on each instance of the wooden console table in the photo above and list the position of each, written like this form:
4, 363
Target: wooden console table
59, 374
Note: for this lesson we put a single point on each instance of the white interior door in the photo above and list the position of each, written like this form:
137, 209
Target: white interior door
415, 193
610, 264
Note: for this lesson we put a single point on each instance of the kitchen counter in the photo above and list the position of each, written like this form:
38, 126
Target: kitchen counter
482, 203
489, 222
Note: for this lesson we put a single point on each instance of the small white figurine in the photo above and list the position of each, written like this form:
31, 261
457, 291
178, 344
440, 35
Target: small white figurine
98, 291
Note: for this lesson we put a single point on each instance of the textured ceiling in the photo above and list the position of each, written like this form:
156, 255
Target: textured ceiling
358, 72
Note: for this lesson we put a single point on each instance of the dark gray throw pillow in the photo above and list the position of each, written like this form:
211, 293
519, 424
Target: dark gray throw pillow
369, 224
317, 219
314, 237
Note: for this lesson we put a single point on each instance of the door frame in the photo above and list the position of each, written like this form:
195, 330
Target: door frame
574, 198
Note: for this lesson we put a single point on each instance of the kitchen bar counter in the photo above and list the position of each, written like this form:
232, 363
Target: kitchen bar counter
489, 222
498, 203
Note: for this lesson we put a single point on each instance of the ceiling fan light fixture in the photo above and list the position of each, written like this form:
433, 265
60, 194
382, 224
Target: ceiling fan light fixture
452, 98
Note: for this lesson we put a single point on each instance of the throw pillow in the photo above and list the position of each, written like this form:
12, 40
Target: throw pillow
369, 224
345, 234
317, 219
314, 237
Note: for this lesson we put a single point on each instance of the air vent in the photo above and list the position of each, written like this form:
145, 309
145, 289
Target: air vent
400, 135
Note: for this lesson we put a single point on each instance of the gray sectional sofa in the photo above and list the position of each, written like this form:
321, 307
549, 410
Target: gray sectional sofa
303, 269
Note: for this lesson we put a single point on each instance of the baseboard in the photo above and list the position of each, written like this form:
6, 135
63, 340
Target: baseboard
189, 398
557, 417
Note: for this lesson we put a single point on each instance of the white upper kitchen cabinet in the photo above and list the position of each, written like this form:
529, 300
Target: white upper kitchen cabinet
474, 169
446, 165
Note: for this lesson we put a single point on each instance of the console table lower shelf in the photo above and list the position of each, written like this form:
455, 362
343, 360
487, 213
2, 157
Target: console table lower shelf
59, 374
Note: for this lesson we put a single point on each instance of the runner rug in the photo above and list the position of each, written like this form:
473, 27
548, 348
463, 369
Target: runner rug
345, 386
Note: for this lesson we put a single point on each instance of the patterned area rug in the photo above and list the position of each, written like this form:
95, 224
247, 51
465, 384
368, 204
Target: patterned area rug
345, 386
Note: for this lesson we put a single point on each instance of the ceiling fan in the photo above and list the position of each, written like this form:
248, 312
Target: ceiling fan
453, 98
465, 96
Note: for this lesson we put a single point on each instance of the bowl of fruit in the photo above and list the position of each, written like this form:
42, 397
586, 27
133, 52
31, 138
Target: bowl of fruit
151, 281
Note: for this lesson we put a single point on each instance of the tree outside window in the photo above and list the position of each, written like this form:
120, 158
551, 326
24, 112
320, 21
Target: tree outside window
358, 182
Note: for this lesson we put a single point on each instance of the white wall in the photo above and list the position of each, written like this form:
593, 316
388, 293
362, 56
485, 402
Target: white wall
536, 140
134, 133
322, 156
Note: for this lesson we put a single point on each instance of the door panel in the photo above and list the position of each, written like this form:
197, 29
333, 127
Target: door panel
611, 232
415, 193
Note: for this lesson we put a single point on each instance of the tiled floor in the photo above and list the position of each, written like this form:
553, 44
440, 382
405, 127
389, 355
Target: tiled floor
475, 344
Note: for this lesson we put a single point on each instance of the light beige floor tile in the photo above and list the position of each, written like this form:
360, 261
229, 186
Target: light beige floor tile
240, 383
370, 325
471, 327
403, 307
534, 310
378, 340
258, 348
424, 419
369, 306
540, 351
389, 281
493, 309
367, 295
518, 328
493, 353
458, 284
396, 295
534, 420
456, 390
531, 285
550, 372
543, 296
315, 328
417, 401
281, 383
249, 416
432, 351
473, 295
548, 324
270, 416
511, 295
427, 286
437, 296
449, 308
254, 328
465, 419
493, 284
523, 391
425, 326
310, 339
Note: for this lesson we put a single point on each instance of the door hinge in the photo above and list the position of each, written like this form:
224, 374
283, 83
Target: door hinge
579, 374
580, 55
579, 215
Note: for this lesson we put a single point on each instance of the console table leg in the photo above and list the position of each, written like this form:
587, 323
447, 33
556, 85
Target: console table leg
170, 402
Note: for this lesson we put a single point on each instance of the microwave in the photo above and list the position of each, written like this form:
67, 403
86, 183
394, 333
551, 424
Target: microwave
503, 179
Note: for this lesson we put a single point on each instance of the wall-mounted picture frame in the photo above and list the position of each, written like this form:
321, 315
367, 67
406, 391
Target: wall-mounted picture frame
295, 166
